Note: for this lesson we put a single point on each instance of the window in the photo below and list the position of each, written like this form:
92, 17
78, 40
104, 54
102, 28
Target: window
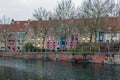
2, 47
76, 37
114, 34
108, 35
20, 42
107, 40
8, 47
2, 42
20, 35
115, 40
11, 42
18, 48
66, 43
11, 34
18, 22
72, 37
101, 34
58, 43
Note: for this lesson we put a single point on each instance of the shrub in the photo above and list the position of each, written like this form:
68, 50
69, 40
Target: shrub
86, 48
30, 47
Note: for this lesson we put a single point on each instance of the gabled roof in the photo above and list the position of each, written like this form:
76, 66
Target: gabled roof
23, 26
18, 26
35, 25
112, 24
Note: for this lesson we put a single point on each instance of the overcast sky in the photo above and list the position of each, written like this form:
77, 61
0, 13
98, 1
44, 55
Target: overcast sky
23, 9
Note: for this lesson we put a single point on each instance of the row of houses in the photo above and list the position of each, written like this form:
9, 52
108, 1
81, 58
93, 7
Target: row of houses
13, 36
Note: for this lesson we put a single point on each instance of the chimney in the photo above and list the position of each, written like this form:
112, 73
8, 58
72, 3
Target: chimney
12, 21
28, 22
50, 18
40, 19
60, 18
72, 17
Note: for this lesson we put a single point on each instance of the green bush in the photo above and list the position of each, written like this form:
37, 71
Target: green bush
85, 49
30, 47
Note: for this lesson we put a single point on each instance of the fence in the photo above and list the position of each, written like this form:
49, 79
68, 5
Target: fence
80, 50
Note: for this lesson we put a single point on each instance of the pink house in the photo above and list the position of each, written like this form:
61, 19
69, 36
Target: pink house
51, 43
11, 42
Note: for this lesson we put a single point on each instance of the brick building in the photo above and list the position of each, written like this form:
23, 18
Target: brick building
54, 34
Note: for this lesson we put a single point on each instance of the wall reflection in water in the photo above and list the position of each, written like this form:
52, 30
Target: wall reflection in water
19, 69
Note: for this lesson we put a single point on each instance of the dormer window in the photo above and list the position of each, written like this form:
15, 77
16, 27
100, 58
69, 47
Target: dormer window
21, 29
12, 22
18, 22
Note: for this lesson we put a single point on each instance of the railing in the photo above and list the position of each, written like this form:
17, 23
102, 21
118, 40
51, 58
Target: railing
82, 50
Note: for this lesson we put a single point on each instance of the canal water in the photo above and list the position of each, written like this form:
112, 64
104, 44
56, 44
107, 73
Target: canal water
19, 69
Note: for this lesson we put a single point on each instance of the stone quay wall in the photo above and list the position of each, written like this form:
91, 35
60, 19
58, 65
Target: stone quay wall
79, 58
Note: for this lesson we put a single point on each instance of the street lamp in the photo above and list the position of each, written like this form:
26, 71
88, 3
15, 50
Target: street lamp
88, 39
83, 39
38, 39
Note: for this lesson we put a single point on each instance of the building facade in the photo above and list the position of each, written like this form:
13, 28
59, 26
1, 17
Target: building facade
53, 34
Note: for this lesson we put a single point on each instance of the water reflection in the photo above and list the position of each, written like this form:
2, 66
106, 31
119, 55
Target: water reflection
18, 69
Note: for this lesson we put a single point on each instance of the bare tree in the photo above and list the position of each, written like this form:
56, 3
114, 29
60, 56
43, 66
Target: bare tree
117, 10
5, 20
42, 31
61, 30
92, 11
41, 13
65, 9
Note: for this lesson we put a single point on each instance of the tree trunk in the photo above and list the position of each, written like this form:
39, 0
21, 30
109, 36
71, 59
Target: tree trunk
65, 39
43, 42
95, 36
90, 37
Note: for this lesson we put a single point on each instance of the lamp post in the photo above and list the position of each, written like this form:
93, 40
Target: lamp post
88, 39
